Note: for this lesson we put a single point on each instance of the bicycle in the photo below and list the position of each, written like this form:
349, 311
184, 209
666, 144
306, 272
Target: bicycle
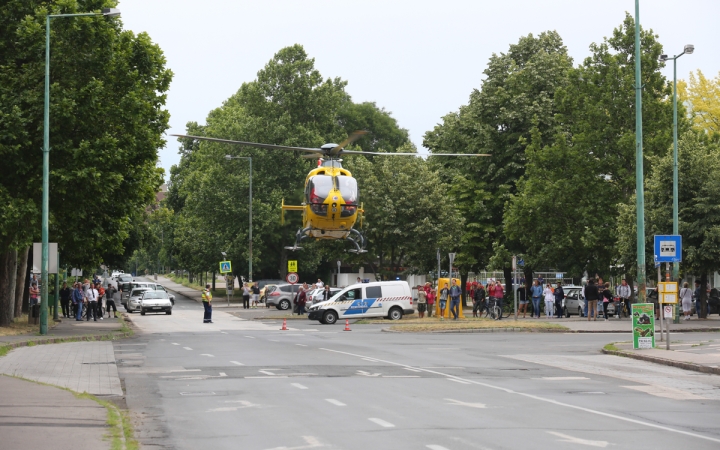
496, 311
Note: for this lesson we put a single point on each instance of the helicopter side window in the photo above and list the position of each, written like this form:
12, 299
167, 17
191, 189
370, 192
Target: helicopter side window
317, 191
349, 191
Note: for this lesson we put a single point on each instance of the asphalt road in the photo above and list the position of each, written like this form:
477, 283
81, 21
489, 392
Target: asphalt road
246, 384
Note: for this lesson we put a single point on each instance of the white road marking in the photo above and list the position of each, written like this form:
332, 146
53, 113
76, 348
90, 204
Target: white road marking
436, 447
243, 404
411, 369
299, 386
207, 354
574, 440
186, 370
277, 376
561, 378
266, 372
311, 442
187, 348
458, 380
223, 374
250, 337
301, 345
547, 400
335, 402
370, 359
401, 376
460, 403
665, 392
223, 332
367, 374
381, 422
175, 343
237, 363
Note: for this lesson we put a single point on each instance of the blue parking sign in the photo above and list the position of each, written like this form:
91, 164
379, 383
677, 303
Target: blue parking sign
668, 248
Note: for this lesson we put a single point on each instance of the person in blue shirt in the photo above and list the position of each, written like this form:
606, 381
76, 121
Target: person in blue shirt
455, 293
77, 299
536, 291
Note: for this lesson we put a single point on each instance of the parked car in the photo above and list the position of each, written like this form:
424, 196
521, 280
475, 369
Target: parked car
574, 302
315, 295
160, 287
282, 295
133, 302
264, 284
155, 301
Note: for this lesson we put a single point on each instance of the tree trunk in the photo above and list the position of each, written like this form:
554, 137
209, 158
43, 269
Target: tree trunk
703, 313
22, 270
508, 274
630, 281
8, 276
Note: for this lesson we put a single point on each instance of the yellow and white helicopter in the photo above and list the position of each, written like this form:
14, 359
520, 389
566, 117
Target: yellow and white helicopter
332, 198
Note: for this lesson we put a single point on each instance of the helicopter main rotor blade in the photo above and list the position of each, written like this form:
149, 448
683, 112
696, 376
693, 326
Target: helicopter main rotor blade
354, 152
354, 136
251, 144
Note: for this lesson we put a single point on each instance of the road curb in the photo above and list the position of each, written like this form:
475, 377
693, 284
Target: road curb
666, 362
483, 330
60, 340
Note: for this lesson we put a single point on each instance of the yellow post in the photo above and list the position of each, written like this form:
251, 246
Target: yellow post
442, 282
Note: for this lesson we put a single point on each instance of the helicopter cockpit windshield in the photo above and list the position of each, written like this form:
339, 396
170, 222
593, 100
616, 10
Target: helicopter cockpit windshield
317, 190
349, 191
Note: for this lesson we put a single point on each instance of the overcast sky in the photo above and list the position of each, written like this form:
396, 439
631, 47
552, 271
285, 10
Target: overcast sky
418, 59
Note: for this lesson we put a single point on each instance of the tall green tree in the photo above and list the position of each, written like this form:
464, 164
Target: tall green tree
107, 119
517, 94
566, 208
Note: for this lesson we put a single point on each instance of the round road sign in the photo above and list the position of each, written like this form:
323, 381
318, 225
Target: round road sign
292, 278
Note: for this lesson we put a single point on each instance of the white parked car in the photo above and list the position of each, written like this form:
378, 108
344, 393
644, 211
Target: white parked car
155, 301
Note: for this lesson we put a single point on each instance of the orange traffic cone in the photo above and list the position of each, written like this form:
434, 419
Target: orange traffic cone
347, 325
284, 328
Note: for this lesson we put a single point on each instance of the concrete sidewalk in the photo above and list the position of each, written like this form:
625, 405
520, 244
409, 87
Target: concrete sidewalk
36, 416
70, 329
624, 325
700, 356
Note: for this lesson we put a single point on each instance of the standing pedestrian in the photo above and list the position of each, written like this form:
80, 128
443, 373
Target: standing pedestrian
77, 299
91, 297
536, 293
591, 297
686, 299
607, 298
101, 294
246, 295
207, 304
326, 294
479, 300
522, 299
549, 300
559, 297
302, 299
455, 293
623, 292
255, 295
110, 300
443, 301
65, 294
430, 294
421, 301
319, 284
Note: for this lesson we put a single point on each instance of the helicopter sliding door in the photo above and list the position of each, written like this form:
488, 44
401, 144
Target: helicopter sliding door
349, 190
316, 191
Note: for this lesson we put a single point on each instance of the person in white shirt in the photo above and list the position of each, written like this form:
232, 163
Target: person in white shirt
549, 300
686, 295
91, 295
624, 292
319, 284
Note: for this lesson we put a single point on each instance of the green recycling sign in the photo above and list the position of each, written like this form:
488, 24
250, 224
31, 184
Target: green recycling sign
643, 323
225, 267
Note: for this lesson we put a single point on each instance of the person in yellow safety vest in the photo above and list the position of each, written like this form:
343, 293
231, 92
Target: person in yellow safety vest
207, 299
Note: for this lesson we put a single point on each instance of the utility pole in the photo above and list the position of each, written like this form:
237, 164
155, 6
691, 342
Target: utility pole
639, 181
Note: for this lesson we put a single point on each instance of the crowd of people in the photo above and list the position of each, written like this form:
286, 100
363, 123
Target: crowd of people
87, 296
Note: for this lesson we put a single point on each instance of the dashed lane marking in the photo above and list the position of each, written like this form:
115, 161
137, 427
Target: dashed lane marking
207, 354
175, 343
301, 345
187, 348
299, 386
381, 422
335, 402
436, 447
237, 363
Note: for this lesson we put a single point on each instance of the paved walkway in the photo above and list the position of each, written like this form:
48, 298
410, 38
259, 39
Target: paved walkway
36, 416
70, 328
700, 356
80, 366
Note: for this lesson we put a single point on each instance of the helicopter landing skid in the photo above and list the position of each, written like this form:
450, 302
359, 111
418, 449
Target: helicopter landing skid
359, 246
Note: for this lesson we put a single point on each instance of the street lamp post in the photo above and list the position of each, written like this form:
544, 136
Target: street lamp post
250, 240
44, 266
689, 49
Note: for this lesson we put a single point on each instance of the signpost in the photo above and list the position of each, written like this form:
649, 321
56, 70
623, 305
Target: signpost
292, 266
225, 266
292, 278
643, 323
668, 249
515, 277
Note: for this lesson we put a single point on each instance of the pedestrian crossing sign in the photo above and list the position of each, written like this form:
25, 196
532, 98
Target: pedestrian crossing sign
225, 267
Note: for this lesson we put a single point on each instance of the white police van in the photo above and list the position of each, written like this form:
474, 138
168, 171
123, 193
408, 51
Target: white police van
391, 299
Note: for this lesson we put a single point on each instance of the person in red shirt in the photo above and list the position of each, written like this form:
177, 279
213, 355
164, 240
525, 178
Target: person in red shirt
430, 293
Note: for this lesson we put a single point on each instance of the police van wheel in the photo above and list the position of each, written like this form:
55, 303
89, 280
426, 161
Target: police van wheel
395, 314
329, 317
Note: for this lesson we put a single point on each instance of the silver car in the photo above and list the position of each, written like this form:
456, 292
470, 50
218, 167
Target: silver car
281, 296
316, 295
155, 301
133, 301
